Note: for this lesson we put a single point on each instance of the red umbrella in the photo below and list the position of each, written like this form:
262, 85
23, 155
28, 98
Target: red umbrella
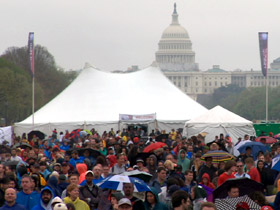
269, 140
154, 146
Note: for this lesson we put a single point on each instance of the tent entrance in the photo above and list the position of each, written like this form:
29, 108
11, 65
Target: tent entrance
136, 127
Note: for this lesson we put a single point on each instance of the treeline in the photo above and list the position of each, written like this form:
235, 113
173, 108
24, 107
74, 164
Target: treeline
16, 82
248, 103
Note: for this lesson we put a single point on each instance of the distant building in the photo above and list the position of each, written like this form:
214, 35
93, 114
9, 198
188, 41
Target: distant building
176, 59
175, 48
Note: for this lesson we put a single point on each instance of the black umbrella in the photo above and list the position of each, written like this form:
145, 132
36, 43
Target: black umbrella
245, 186
93, 153
143, 156
39, 134
222, 146
161, 136
23, 145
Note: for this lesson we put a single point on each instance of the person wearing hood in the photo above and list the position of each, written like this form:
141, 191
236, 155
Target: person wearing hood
198, 196
82, 169
53, 185
206, 181
152, 166
46, 197
152, 201
183, 160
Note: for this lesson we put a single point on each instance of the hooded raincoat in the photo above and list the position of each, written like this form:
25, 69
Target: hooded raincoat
41, 205
158, 205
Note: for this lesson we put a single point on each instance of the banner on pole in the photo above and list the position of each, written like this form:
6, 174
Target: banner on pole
31, 52
263, 39
145, 117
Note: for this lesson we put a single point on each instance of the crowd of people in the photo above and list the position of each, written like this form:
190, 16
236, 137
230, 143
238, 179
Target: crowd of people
64, 171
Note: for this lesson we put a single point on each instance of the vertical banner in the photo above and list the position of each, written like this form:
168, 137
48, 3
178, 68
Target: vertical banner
263, 38
31, 52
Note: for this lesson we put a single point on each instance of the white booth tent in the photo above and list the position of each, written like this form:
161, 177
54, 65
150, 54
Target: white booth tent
219, 120
97, 99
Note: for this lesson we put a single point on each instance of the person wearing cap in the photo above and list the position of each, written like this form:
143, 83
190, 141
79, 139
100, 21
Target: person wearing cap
60, 206
128, 189
10, 201
125, 204
46, 197
73, 197
55, 201
90, 193
140, 164
65, 168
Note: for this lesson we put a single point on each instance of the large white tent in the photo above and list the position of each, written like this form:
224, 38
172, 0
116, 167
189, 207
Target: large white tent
219, 120
113, 100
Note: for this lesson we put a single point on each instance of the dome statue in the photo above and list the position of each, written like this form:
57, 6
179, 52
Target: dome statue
175, 48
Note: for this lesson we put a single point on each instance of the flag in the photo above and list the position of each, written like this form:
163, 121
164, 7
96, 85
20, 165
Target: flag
31, 52
263, 37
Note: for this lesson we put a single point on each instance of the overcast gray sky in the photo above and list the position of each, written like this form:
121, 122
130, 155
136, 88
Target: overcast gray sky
115, 34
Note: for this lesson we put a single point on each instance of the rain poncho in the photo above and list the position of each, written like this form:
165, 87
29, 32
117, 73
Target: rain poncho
185, 163
158, 206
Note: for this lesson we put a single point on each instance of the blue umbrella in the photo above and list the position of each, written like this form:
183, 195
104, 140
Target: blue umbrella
276, 163
255, 146
115, 182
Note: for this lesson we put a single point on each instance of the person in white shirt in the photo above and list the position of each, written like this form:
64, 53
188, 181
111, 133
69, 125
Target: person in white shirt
240, 171
14, 156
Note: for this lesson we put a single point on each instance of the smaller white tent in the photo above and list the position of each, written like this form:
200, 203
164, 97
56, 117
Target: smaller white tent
219, 120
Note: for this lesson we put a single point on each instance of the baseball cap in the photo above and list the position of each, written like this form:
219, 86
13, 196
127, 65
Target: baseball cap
124, 201
266, 208
89, 171
56, 200
139, 160
60, 206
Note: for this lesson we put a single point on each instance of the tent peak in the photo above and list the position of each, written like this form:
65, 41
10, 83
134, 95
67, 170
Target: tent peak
88, 65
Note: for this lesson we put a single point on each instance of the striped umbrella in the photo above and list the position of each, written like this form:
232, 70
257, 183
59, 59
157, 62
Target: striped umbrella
231, 203
115, 182
218, 156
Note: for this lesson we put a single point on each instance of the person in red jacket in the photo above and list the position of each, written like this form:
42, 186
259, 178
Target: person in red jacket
205, 180
228, 174
252, 170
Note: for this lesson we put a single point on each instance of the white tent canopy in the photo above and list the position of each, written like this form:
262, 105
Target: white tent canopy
219, 120
96, 99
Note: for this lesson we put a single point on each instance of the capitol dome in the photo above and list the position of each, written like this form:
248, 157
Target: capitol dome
175, 48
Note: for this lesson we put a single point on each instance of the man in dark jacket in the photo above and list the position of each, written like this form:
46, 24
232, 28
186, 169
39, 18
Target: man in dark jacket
207, 168
90, 193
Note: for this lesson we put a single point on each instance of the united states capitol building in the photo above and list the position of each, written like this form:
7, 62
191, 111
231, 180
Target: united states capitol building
176, 59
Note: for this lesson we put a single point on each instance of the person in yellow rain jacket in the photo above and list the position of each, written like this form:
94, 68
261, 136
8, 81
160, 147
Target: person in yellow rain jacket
73, 197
